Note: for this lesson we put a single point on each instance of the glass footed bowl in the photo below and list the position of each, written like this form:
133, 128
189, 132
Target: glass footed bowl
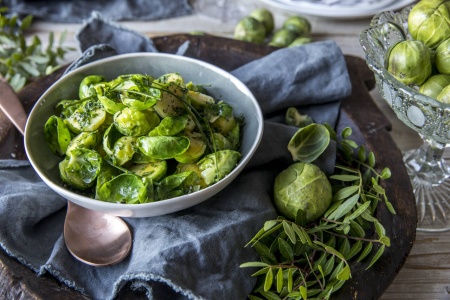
427, 168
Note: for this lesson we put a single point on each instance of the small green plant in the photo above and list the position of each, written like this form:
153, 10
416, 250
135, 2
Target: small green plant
312, 260
23, 59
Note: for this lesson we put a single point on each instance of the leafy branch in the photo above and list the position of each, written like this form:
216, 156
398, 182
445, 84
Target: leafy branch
21, 60
300, 260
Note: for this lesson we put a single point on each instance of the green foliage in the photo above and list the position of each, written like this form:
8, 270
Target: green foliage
22, 59
313, 260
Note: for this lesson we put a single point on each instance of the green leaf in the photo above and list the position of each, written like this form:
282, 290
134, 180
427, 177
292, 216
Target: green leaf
252, 297
371, 159
268, 280
345, 177
365, 252
386, 173
279, 280
358, 211
346, 132
345, 247
253, 264
344, 274
285, 249
362, 154
378, 189
26, 22
385, 241
309, 142
270, 295
264, 251
289, 231
328, 266
290, 279
345, 192
345, 207
261, 272
304, 292
269, 224
356, 248
379, 229
390, 208
376, 256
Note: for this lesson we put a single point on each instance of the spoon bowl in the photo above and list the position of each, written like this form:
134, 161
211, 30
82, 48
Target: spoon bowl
92, 237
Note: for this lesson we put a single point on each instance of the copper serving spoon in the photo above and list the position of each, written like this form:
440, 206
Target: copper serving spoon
92, 237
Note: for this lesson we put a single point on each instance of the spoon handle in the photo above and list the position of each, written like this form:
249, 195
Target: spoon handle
11, 106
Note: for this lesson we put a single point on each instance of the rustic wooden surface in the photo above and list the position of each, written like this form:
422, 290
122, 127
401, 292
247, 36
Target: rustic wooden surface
370, 125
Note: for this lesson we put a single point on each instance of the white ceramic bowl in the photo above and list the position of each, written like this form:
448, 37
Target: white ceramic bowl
223, 85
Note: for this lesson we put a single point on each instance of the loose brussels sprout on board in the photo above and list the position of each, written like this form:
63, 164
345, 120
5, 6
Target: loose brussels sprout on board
136, 139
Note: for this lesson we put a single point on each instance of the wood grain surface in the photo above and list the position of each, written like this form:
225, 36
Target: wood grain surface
358, 111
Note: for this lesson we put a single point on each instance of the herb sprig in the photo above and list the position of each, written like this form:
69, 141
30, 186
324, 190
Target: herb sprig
312, 261
22, 59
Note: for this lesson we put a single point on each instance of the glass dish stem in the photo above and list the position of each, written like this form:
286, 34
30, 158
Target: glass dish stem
430, 178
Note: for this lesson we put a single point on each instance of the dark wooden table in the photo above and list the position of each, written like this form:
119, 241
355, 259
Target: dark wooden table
358, 111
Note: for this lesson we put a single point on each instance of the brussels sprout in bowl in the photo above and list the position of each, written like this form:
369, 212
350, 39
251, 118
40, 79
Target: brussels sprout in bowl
219, 84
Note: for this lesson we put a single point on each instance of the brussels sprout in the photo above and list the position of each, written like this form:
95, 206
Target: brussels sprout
429, 22
162, 147
123, 150
410, 62
221, 142
65, 108
176, 185
153, 170
302, 188
124, 188
264, 16
107, 172
172, 125
110, 138
80, 168
302, 40
217, 165
295, 118
199, 100
86, 89
221, 117
169, 104
132, 122
442, 57
89, 140
193, 168
250, 30
88, 117
170, 78
282, 38
298, 25
140, 98
434, 85
197, 147
190, 125
234, 137
57, 135
444, 95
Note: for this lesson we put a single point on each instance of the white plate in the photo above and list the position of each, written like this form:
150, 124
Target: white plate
338, 9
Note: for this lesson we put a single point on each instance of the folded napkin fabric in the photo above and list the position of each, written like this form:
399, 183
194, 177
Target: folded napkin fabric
75, 11
194, 253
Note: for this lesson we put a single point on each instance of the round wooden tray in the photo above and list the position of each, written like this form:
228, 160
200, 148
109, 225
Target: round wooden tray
358, 111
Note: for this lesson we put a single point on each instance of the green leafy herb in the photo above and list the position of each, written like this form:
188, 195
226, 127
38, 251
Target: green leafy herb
22, 59
312, 261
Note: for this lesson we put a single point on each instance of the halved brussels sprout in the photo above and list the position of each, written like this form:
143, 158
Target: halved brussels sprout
197, 147
123, 150
124, 188
221, 117
65, 108
234, 137
132, 122
80, 168
176, 185
168, 78
172, 125
220, 142
107, 172
89, 140
88, 117
110, 138
86, 89
193, 168
140, 100
217, 165
199, 100
162, 147
153, 170
170, 103
57, 135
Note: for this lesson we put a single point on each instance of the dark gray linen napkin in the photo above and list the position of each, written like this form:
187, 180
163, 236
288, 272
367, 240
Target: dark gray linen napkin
194, 253
75, 11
